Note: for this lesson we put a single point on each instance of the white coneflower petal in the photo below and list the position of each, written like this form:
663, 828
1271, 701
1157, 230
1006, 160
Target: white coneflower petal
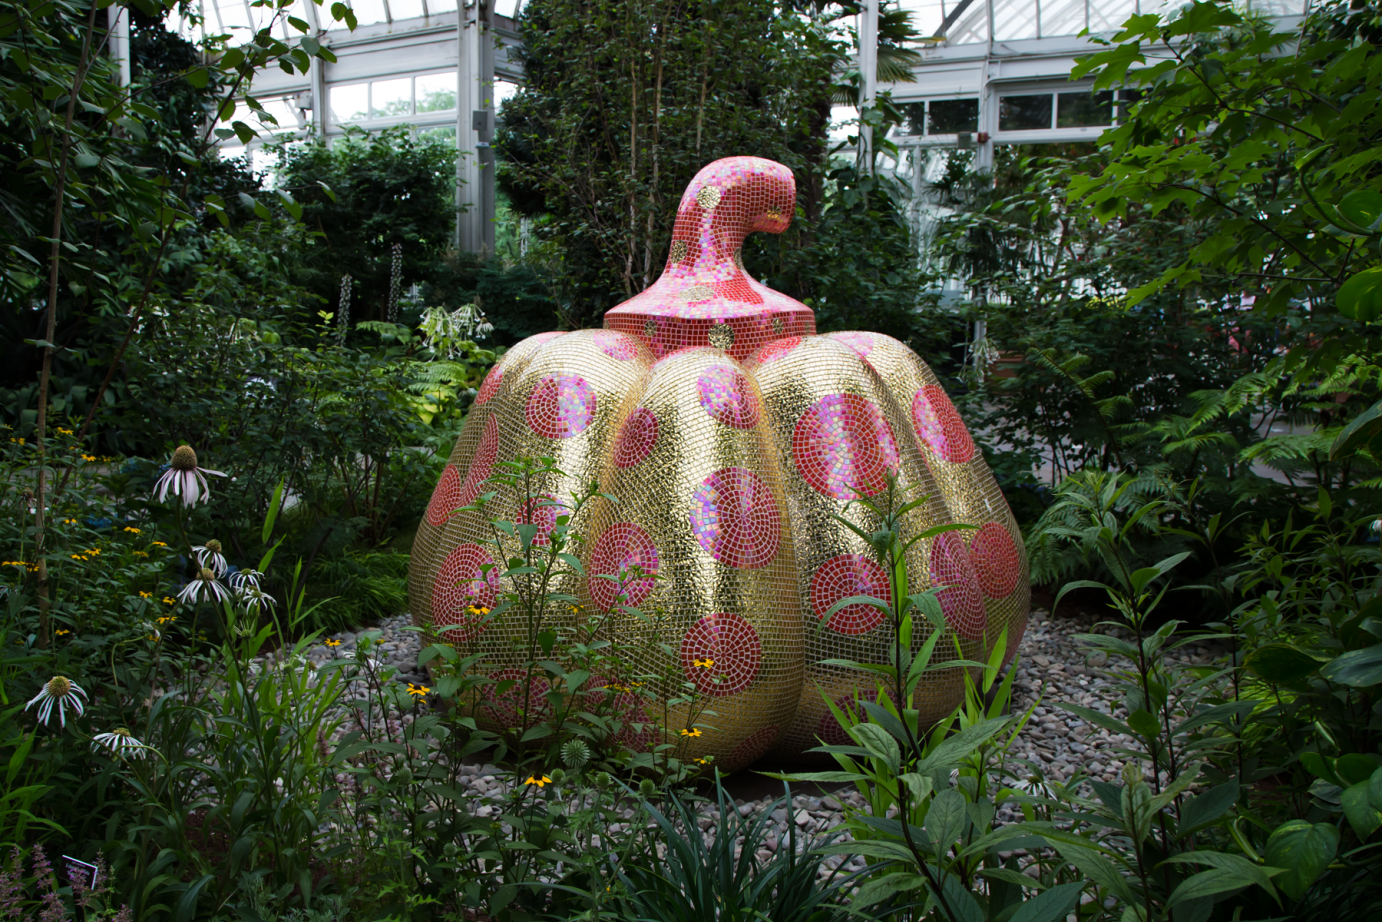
203, 586
253, 598
246, 578
209, 555
184, 479
60, 691
122, 743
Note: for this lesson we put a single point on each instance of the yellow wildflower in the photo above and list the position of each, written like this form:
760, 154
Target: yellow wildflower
145, 595
169, 600
167, 619
332, 643
62, 630
703, 663
693, 733
140, 553
93, 551
540, 782
62, 431
69, 521
418, 691
159, 544
133, 531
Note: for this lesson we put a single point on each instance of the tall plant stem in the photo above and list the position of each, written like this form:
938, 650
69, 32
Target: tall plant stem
50, 328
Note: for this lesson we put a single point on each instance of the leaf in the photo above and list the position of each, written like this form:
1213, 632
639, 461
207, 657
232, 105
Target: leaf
1363, 207
1205, 809
946, 819
1236, 865
1360, 298
1357, 668
1362, 816
881, 888
1145, 723
186, 909
1304, 849
1207, 883
1281, 663
1053, 905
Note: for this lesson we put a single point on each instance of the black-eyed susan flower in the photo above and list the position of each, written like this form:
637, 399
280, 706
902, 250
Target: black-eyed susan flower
145, 595
332, 642
539, 781
703, 663
692, 733
132, 530
418, 691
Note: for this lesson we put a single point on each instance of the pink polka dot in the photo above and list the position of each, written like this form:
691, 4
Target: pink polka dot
460, 584
735, 518
844, 576
636, 438
490, 385
623, 550
561, 406
830, 730
757, 743
446, 498
605, 697
541, 511
511, 708
843, 447
861, 343
481, 465
776, 350
730, 645
728, 397
616, 345
996, 559
960, 601
939, 425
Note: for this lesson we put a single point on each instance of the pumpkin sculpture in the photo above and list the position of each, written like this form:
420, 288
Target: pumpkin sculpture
731, 436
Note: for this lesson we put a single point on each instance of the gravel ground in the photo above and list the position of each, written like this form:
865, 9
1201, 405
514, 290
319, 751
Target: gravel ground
1053, 666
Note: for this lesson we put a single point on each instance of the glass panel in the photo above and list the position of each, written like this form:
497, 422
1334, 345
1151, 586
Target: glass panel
405, 9
1022, 113
230, 153
951, 116
390, 98
446, 135
436, 92
368, 11
1062, 17
279, 109
844, 122
971, 27
927, 14
233, 14
503, 90
440, 6
1082, 110
1014, 19
349, 103
916, 118
506, 7
1125, 99
1277, 7
1109, 15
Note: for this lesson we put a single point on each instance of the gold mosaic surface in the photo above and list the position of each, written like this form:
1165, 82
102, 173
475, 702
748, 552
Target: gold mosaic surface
730, 436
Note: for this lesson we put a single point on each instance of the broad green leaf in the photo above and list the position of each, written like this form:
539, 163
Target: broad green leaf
1362, 816
946, 819
1206, 809
1363, 207
1052, 906
1281, 663
1305, 850
1358, 668
1360, 298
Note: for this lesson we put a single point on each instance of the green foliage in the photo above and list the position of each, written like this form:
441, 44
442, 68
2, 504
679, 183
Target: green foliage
359, 197
725, 879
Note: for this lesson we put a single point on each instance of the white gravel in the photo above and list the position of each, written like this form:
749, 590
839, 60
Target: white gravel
1052, 665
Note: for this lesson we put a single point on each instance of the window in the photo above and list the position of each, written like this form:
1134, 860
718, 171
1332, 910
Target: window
444, 135
391, 98
1082, 110
1023, 113
436, 92
951, 116
350, 103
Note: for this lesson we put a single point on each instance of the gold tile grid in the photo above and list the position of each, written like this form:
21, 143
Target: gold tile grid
730, 435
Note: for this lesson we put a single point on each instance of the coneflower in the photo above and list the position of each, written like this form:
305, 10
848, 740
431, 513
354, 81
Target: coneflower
203, 586
184, 479
60, 691
209, 555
